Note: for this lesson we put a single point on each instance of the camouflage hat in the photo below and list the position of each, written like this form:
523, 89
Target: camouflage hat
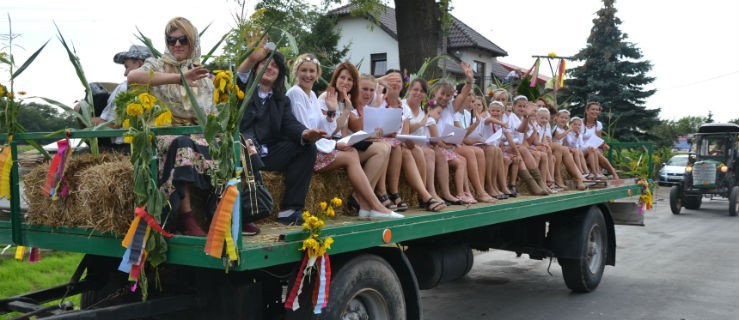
135, 52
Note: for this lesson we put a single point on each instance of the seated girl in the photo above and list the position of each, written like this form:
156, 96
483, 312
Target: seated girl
305, 106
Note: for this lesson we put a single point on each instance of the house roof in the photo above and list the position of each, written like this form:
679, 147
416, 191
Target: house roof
460, 35
541, 78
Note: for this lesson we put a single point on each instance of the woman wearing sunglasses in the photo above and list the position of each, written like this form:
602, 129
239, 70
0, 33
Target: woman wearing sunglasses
184, 160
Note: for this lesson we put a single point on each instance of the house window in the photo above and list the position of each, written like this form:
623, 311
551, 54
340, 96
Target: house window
479, 69
379, 64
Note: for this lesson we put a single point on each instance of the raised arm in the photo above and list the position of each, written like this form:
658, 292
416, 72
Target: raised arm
469, 77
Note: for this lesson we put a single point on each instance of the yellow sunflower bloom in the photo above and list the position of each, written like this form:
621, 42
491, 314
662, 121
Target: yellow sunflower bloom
323, 205
164, 119
128, 139
126, 124
134, 109
330, 212
336, 202
239, 94
147, 101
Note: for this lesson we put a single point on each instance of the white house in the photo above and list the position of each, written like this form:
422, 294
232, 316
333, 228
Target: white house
374, 46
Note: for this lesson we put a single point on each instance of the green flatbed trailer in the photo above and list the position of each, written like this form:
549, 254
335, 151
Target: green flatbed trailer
419, 252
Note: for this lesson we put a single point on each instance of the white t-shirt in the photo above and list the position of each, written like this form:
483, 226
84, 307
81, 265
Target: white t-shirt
589, 132
513, 123
447, 117
464, 118
573, 141
416, 119
559, 132
305, 107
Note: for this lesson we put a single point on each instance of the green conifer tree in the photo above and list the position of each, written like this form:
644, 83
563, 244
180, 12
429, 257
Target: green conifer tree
613, 74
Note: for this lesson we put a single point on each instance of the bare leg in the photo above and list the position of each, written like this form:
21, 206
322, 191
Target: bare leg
460, 173
503, 168
393, 169
375, 162
442, 175
349, 160
430, 156
603, 161
473, 155
413, 176
420, 159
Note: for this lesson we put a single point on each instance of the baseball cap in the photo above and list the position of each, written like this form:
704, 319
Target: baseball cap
135, 52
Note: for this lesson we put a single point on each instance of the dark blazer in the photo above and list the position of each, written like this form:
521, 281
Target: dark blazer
274, 123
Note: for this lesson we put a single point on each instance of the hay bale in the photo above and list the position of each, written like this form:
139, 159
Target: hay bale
65, 211
104, 199
325, 186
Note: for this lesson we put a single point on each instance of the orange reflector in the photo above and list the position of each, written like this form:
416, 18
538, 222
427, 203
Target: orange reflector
387, 235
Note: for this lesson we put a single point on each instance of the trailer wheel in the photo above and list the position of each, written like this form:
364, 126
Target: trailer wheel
676, 202
366, 288
733, 203
693, 202
584, 274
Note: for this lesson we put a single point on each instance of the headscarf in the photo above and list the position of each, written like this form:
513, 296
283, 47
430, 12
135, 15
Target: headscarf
175, 95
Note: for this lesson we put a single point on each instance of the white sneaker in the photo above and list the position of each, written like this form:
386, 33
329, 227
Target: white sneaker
364, 213
379, 215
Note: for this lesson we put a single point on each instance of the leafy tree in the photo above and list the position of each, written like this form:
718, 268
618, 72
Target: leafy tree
735, 121
37, 117
613, 75
709, 118
667, 131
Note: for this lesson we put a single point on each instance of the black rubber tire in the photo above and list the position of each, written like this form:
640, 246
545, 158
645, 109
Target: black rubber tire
366, 286
733, 201
584, 274
692, 202
676, 201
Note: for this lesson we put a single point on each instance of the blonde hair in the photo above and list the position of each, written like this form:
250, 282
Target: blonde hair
497, 103
575, 118
542, 111
305, 57
180, 23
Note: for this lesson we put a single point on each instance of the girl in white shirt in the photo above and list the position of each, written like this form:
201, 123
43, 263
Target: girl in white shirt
591, 126
562, 153
306, 70
493, 154
518, 122
495, 123
575, 140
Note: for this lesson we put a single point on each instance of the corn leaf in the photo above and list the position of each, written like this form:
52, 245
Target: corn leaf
86, 112
29, 61
147, 42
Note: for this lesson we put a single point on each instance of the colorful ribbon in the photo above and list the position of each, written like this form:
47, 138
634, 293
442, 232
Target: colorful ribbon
221, 226
535, 74
56, 170
560, 75
6, 164
141, 212
292, 302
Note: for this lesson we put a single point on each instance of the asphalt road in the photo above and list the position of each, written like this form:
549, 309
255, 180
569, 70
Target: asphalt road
677, 267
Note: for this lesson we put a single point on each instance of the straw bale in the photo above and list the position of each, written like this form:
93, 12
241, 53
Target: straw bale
324, 187
65, 211
104, 199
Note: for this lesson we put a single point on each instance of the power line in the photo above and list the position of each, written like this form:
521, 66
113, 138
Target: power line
702, 81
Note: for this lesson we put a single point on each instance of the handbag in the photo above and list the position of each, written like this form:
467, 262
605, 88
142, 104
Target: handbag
256, 201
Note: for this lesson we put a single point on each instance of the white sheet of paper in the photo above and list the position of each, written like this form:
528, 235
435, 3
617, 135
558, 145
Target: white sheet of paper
594, 141
494, 139
355, 137
454, 135
387, 119
414, 138
326, 145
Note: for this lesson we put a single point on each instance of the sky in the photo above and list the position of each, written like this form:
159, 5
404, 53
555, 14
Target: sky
692, 45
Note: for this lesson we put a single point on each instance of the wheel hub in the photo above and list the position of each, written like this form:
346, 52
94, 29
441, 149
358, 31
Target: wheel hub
595, 249
366, 304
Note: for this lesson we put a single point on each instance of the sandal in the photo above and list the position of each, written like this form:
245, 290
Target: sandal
433, 205
386, 202
457, 202
399, 204
514, 191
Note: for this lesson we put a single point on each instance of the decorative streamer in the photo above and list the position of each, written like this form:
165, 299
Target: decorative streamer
6, 164
56, 170
35, 255
535, 74
221, 223
561, 74
141, 212
292, 302
20, 252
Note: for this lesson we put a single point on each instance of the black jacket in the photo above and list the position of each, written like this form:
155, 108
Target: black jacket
274, 123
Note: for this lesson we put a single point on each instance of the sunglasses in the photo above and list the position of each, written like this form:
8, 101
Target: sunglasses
173, 40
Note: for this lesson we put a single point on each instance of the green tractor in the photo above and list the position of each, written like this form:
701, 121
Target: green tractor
712, 169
